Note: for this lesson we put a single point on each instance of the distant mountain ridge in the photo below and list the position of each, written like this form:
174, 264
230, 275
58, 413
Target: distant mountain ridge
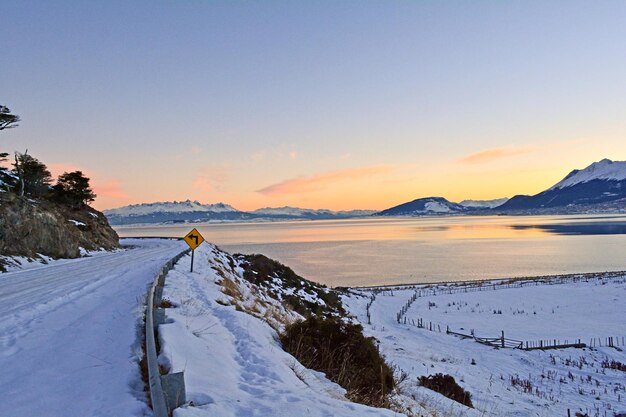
194, 211
483, 204
424, 206
296, 212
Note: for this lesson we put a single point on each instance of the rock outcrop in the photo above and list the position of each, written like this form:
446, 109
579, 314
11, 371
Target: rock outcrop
38, 227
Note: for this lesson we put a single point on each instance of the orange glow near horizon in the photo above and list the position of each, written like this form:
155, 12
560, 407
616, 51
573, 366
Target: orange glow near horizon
368, 187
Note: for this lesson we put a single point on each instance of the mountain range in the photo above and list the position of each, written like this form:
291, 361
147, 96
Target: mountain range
599, 187
601, 183
193, 211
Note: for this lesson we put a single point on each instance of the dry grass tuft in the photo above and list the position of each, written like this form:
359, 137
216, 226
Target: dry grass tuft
231, 289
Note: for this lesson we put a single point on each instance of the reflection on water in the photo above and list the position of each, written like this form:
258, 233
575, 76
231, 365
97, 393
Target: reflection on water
612, 228
383, 250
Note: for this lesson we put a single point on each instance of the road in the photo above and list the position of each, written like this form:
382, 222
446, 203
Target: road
69, 342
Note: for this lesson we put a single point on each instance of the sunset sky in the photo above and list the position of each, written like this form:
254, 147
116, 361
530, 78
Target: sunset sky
318, 104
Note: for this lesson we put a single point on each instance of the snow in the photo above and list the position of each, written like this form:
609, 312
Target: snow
484, 203
561, 379
20, 263
437, 207
169, 207
602, 170
233, 363
303, 212
68, 336
290, 211
69, 342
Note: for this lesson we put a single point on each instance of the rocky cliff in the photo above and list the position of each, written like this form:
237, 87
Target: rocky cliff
31, 227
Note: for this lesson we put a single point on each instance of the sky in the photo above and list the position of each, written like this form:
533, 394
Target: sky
317, 104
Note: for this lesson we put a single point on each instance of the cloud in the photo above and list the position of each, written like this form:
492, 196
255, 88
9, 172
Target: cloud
318, 182
258, 156
489, 155
110, 189
211, 178
58, 169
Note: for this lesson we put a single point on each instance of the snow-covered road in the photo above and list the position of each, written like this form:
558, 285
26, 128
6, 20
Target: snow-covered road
68, 333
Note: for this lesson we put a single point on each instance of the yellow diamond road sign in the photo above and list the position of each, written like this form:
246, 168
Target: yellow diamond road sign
194, 239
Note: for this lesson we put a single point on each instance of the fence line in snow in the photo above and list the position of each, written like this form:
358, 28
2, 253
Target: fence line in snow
544, 344
432, 289
504, 342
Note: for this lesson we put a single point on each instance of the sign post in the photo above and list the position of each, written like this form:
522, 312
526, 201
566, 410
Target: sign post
193, 239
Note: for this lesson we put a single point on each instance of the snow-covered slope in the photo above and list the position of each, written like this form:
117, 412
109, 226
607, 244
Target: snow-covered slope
602, 170
222, 334
483, 204
424, 206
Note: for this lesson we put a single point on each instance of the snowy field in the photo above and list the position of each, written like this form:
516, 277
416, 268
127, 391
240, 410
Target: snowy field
581, 310
509, 382
68, 335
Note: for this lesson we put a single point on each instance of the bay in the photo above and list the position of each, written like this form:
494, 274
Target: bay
379, 251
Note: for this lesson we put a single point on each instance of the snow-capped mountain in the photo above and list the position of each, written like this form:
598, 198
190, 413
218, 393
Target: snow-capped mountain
169, 207
173, 211
290, 212
603, 170
483, 204
423, 207
296, 212
600, 183
193, 211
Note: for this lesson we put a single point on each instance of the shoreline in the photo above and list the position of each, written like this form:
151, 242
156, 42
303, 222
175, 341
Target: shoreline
494, 281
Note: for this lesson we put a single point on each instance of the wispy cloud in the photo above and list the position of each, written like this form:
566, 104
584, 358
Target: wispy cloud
318, 182
58, 169
489, 155
211, 178
110, 189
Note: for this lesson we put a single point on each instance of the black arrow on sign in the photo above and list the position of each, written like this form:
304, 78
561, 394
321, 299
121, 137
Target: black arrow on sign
194, 237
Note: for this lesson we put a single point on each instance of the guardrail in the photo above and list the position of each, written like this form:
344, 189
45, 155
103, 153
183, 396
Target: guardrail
166, 391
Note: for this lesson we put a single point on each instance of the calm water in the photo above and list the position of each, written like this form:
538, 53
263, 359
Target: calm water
390, 251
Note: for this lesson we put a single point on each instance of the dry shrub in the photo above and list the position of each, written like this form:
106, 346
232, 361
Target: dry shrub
618, 366
166, 303
230, 288
344, 354
447, 386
